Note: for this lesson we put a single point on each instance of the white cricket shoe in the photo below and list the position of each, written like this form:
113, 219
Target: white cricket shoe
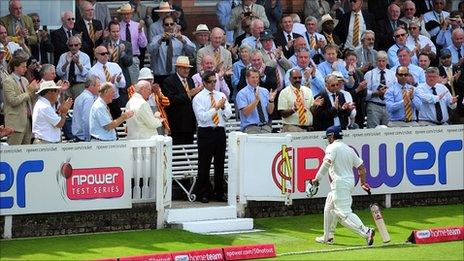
321, 240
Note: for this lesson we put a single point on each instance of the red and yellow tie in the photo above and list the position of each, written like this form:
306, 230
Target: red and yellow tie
356, 30
107, 73
215, 117
300, 107
186, 87
407, 106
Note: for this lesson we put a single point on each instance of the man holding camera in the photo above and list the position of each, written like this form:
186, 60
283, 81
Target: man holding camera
246, 10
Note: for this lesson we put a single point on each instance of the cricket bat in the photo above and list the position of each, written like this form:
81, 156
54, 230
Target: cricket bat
380, 223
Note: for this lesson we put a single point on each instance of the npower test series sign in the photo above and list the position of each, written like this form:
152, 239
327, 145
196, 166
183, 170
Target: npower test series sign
64, 177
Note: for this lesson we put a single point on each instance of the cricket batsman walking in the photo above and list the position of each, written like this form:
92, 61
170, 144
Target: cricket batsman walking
338, 162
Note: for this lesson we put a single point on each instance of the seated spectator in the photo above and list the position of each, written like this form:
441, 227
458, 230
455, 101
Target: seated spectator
285, 37
166, 48
257, 27
9, 46
298, 44
267, 74
327, 25
296, 105
144, 123
444, 35
332, 63
60, 37
435, 18
424, 61
312, 77
40, 50
212, 110
366, 54
201, 35
245, 11
101, 124
435, 100
255, 104
208, 64
456, 48
73, 67
409, 12
402, 101
404, 59
401, 37
237, 68
246, 26
378, 80
46, 122
19, 27
81, 109
387, 27
420, 43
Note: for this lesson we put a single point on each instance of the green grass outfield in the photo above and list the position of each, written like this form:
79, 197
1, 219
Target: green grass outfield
290, 234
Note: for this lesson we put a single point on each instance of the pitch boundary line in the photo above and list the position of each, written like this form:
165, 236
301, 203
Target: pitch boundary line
341, 249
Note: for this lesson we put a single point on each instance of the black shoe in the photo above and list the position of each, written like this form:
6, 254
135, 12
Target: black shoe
221, 198
204, 200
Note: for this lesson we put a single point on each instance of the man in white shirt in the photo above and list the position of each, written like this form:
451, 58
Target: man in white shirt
46, 123
144, 123
435, 18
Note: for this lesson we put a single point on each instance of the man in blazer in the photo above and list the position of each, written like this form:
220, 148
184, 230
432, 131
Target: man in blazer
334, 109
246, 10
216, 50
18, 24
60, 36
19, 100
180, 89
267, 74
347, 19
88, 26
386, 27
284, 38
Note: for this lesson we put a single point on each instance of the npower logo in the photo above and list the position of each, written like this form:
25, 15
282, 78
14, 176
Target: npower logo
414, 161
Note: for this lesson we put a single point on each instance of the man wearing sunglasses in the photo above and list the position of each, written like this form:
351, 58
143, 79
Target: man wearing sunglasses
401, 36
60, 36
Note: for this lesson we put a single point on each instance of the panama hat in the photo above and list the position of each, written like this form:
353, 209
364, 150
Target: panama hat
125, 8
47, 85
326, 18
201, 28
183, 61
145, 74
164, 8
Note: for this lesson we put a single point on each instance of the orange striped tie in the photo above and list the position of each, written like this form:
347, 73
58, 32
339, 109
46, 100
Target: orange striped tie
215, 117
217, 56
330, 39
407, 106
186, 87
130, 91
7, 54
115, 55
91, 32
300, 107
356, 30
312, 42
107, 73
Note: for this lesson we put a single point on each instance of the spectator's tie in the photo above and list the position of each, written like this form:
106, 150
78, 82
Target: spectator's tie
271, 55
91, 32
312, 42
382, 82
217, 56
356, 30
29, 106
407, 106
186, 87
289, 37
7, 54
68, 33
368, 55
115, 54
17, 29
215, 117
438, 111
330, 39
262, 118
128, 33
72, 72
107, 73
169, 54
458, 50
300, 107
440, 18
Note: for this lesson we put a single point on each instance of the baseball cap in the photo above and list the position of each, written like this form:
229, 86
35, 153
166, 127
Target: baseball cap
445, 53
334, 130
266, 35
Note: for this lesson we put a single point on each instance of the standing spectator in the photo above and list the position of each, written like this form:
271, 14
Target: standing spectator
327, 25
46, 122
296, 105
3, 75
212, 110
120, 53
257, 27
404, 58
400, 42
101, 124
356, 87
73, 66
90, 28
378, 80
255, 104
109, 72
421, 43
44, 46
444, 36
353, 24
409, 12
216, 50
157, 27
19, 98
285, 37
223, 13
267, 74
19, 26
367, 55
402, 101
387, 27
312, 77
61, 36
243, 62
315, 40
11, 47
244, 11
102, 13
298, 27
298, 44
142, 16
166, 48
317, 8
332, 63
201, 35
435, 100
435, 18
208, 64
180, 90
273, 10
177, 13
144, 123
456, 48
424, 61
132, 33
81, 109
274, 58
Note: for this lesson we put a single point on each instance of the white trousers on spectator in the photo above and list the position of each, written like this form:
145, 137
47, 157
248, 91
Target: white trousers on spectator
338, 208
134, 70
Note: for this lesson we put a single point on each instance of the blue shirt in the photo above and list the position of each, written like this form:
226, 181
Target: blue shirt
236, 71
373, 81
393, 57
454, 53
317, 82
100, 117
326, 68
158, 53
81, 114
395, 104
245, 97
417, 72
427, 110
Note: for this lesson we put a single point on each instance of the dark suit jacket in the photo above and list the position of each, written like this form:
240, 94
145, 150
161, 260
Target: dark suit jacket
281, 40
421, 7
384, 34
180, 112
239, 39
270, 82
125, 59
41, 54
88, 45
325, 114
343, 25
378, 8
59, 41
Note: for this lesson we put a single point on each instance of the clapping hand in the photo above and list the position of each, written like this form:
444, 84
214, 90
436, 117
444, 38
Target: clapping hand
272, 94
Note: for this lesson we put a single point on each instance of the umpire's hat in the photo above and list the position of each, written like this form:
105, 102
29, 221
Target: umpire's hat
335, 131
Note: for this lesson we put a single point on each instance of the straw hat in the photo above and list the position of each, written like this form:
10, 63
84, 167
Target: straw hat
201, 28
125, 8
164, 7
47, 85
145, 74
183, 61
326, 18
